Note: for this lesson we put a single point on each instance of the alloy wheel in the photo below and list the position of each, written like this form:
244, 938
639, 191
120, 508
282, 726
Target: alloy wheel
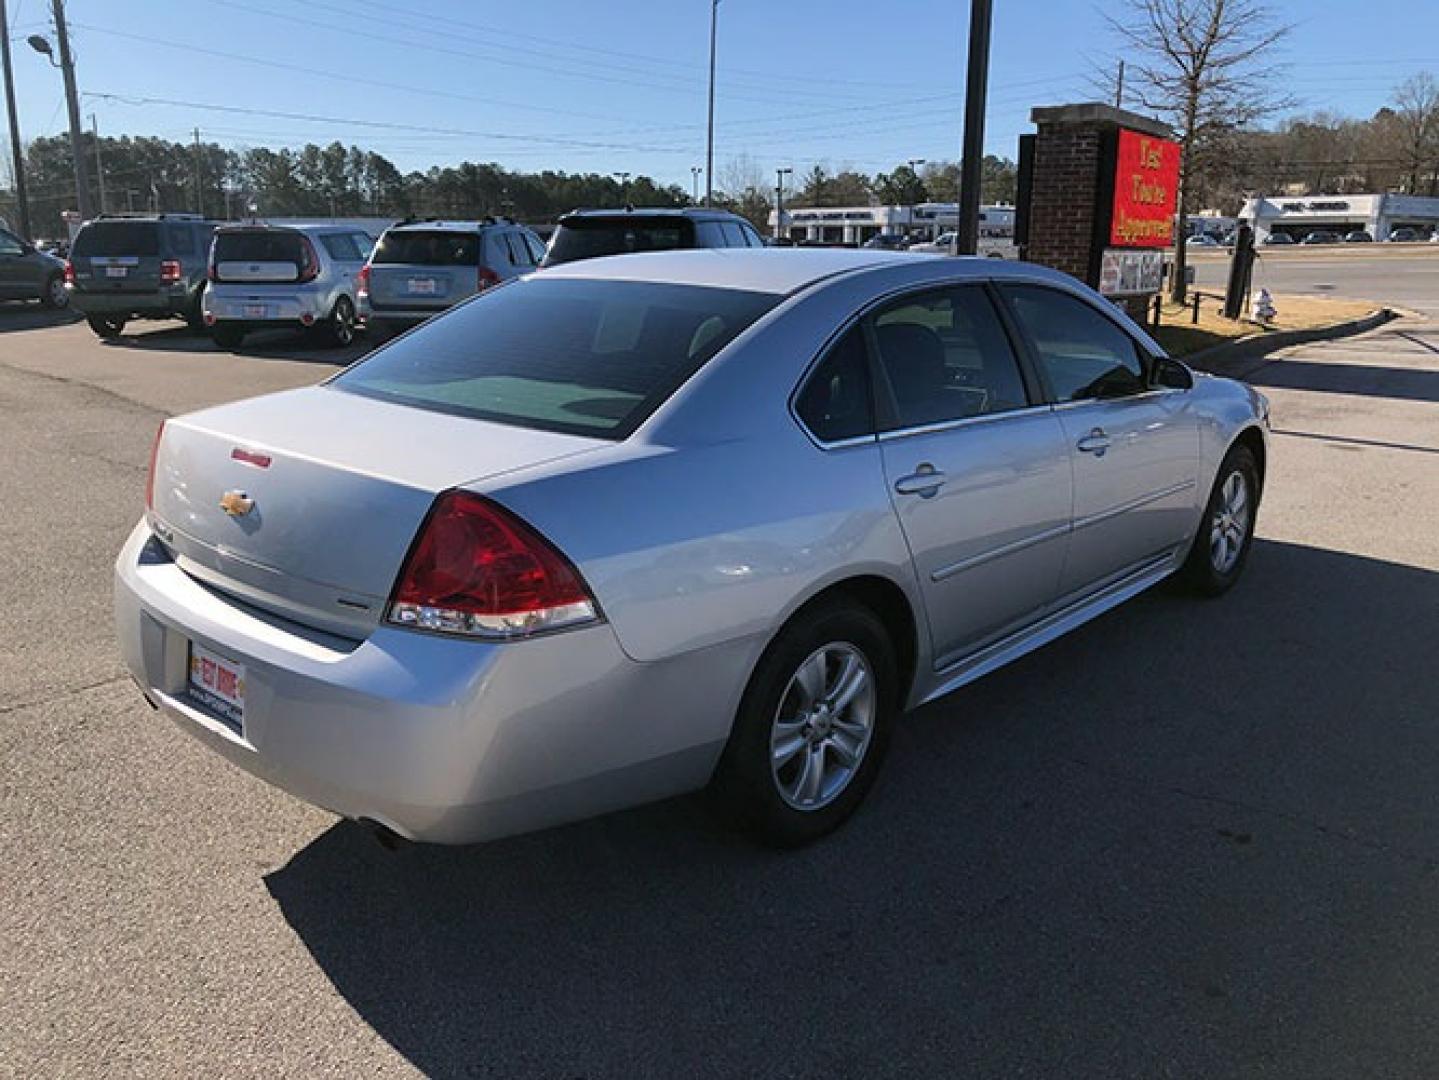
1229, 525
822, 726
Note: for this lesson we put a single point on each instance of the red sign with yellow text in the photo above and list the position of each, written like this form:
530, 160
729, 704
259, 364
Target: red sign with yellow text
1146, 191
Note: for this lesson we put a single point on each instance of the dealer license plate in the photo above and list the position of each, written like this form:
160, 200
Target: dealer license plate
219, 685
254, 311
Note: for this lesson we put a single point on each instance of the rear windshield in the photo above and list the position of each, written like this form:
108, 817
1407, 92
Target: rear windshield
583, 357
589, 238
435, 248
268, 245
107, 238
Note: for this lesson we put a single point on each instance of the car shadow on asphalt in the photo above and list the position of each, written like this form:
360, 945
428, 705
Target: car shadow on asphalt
22, 315
263, 345
1094, 854
1364, 380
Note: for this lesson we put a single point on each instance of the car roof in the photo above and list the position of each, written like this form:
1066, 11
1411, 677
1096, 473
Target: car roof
696, 212
771, 270
313, 228
437, 225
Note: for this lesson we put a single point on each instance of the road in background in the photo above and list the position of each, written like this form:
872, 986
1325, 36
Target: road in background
1192, 839
1406, 276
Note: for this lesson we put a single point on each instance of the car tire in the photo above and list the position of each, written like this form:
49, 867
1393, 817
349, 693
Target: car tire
227, 337
107, 327
800, 758
55, 296
1226, 531
340, 326
195, 314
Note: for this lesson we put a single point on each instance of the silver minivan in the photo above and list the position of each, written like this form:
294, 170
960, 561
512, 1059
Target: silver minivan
266, 277
420, 268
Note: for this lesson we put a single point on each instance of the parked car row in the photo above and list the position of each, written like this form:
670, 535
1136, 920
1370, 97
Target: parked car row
325, 278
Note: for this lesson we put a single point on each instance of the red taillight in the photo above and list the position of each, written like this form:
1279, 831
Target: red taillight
362, 282
477, 569
150, 476
169, 271
69, 272
487, 278
311, 268
211, 273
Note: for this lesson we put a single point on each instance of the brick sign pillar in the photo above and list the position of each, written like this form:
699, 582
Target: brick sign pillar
1077, 209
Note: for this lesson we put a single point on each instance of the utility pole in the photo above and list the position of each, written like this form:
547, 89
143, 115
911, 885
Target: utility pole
99, 163
1119, 88
710, 141
21, 196
72, 105
200, 198
971, 168
779, 175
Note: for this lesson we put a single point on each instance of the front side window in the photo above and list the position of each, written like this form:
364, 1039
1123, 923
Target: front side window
10, 245
836, 402
733, 235
584, 356
1083, 355
946, 357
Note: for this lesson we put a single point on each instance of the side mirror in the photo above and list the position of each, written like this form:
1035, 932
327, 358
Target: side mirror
1170, 374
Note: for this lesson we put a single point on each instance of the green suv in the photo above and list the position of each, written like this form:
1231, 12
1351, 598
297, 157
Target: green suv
153, 267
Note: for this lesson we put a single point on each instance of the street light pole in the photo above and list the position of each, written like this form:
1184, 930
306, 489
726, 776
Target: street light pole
21, 195
779, 175
695, 171
624, 179
710, 140
72, 106
971, 166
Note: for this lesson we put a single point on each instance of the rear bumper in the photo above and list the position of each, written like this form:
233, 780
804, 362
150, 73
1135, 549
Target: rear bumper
261, 309
155, 302
396, 316
442, 740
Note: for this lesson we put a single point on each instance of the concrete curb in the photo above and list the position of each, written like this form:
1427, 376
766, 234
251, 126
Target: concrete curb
1223, 359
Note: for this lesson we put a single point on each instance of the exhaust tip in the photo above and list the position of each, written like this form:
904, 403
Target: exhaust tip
385, 836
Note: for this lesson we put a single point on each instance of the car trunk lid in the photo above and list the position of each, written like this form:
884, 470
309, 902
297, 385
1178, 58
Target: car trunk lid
305, 503
259, 255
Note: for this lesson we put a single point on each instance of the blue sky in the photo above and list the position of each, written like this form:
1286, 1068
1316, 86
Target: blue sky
581, 86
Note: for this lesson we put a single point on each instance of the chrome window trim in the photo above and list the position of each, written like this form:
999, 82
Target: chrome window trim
963, 421
1143, 395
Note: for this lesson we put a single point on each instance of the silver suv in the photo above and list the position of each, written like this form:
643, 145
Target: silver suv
420, 268
265, 277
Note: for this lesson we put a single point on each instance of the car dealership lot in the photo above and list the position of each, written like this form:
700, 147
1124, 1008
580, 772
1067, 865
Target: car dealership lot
1192, 838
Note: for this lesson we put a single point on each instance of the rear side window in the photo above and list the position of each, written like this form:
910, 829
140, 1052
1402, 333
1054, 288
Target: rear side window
589, 238
181, 239
836, 402
108, 238
1083, 354
946, 357
588, 357
259, 246
341, 246
428, 248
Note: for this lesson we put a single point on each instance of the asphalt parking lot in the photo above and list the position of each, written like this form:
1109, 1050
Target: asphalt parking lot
1192, 839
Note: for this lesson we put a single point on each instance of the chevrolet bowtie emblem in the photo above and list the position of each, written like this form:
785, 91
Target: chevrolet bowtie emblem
236, 503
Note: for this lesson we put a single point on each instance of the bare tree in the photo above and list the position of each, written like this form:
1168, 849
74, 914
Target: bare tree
1416, 115
1201, 65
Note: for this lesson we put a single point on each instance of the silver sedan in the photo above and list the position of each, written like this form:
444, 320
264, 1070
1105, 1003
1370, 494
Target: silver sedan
636, 526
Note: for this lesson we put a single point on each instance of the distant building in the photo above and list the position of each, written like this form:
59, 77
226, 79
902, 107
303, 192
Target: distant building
856, 224
1377, 215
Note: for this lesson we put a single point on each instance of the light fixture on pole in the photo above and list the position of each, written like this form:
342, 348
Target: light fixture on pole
66, 64
779, 175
